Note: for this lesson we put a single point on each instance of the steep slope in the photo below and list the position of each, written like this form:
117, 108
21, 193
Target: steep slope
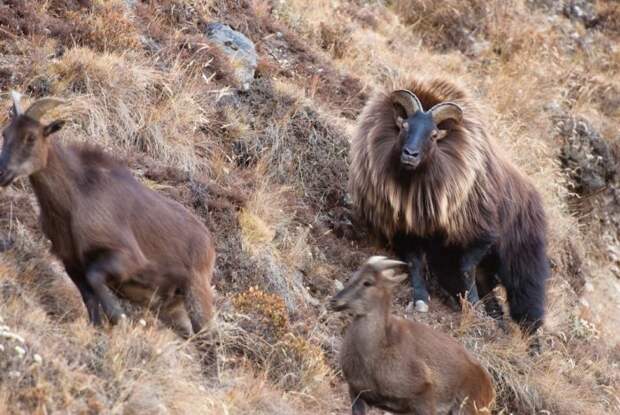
266, 169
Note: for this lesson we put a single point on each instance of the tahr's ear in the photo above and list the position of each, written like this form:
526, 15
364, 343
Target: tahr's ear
52, 127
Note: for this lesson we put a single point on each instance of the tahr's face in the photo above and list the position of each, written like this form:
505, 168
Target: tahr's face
357, 295
418, 134
24, 149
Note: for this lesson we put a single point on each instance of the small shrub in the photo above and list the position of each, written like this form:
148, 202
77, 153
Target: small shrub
267, 312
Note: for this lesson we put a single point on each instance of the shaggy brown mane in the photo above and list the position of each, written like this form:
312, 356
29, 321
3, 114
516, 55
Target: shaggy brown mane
445, 196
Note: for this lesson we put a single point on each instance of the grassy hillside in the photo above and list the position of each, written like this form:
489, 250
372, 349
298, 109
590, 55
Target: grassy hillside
266, 169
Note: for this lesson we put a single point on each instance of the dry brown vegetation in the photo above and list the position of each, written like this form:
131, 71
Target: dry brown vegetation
266, 170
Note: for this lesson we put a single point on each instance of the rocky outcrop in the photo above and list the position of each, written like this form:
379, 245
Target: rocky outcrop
239, 49
587, 156
593, 165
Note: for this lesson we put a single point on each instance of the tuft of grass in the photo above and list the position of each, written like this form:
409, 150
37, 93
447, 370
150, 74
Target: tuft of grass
255, 231
105, 26
267, 214
120, 101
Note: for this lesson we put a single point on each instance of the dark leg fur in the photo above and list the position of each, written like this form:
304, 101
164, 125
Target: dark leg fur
411, 250
194, 310
452, 265
524, 274
523, 265
486, 279
471, 257
475, 252
455, 266
111, 307
108, 266
88, 295
445, 265
358, 406
469, 278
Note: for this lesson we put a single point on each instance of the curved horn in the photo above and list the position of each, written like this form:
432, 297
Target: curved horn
407, 100
17, 106
446, 111
381, 263
375, 258
38, 109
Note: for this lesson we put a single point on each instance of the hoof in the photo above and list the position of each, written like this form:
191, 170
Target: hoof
118, 317
421, 306
472, 297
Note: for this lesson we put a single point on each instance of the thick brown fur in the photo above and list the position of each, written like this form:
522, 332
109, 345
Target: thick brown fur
104, 224
400, 365
466, 191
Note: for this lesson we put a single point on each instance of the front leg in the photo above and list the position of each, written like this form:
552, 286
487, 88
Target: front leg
90, 301
472, 255
88, 295
486, 281
113, 265
411, 250
358, 405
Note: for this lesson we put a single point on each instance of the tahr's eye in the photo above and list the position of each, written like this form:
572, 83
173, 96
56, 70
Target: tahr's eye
367, 283
435, 134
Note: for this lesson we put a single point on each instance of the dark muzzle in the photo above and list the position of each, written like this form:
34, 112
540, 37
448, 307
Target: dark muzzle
6, 176
410, 158
336, 304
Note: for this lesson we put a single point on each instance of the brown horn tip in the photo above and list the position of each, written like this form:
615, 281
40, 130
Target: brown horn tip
408, 100
38, 109
446, 111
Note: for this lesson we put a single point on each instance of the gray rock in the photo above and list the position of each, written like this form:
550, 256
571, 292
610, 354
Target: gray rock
553, 6
238, 48
578, 10
581, 10
130, 4
586, 155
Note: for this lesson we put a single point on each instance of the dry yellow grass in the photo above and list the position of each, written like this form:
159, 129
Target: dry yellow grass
144, 83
